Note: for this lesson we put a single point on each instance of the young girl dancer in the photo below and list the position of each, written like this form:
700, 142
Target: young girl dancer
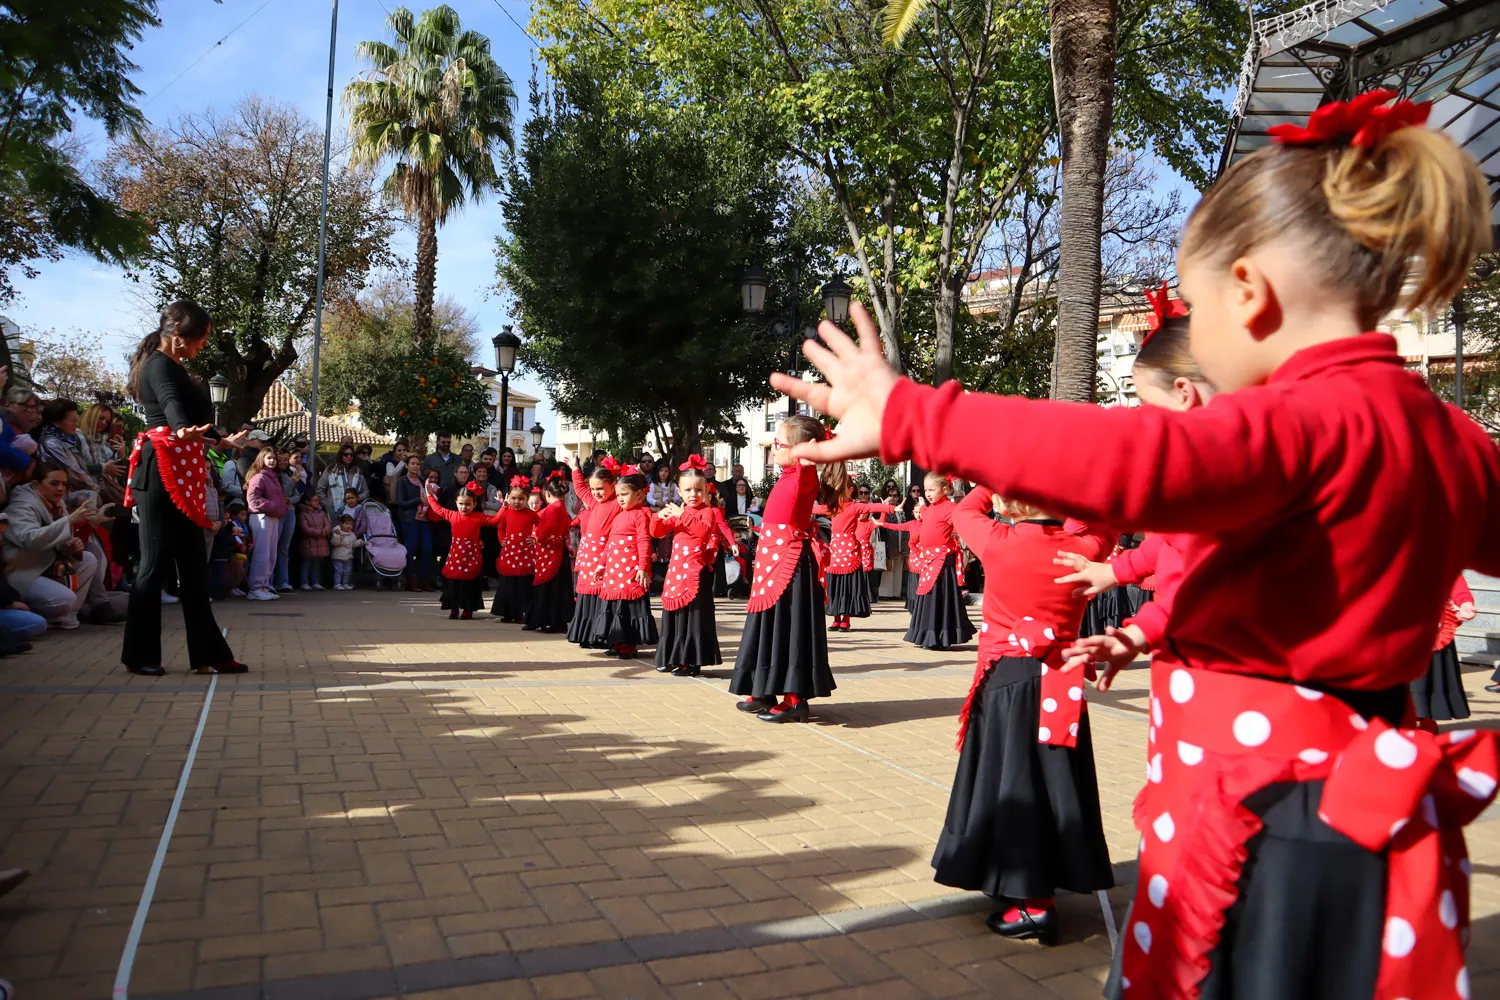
864, 534
517, 564
1166, 376
1023, 818
623, 620
689, 634
597, 495
1296, 849
784, 647
463, 594
552, 594
848, 580
939, 619
1438, 695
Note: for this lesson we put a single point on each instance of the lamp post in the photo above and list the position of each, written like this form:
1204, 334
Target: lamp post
537, 433
835, 294
506, 344
218, 391
1460, 320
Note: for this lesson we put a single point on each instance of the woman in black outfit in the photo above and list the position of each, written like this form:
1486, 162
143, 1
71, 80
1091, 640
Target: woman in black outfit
171, 399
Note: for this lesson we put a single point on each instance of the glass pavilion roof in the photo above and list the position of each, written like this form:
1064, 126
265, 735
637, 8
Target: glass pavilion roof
1442, 51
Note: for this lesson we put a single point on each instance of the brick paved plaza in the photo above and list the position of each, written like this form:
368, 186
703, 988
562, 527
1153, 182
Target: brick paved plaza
393, 804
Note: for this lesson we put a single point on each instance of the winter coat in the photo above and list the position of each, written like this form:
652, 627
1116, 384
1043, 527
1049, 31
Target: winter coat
344, 544
265, 496
313, 529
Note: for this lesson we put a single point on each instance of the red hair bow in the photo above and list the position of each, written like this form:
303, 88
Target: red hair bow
475, 488
519, 482
1362, 122
630, 470
1163, 308
609, 464
694, 462
556, 474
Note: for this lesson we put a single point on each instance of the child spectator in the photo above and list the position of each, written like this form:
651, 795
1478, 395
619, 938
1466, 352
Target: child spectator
354, 507
240, 545
345, 541
313, 531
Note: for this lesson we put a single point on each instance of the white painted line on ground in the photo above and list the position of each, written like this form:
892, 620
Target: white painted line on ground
143, 908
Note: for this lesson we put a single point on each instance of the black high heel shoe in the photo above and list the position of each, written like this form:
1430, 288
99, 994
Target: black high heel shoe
798, 713
756, 705
687, 671
1026, 927
152, 671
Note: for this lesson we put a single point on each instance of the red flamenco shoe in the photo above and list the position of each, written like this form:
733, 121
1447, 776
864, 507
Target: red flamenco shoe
453, 615
466, 616
625, 652
791, 709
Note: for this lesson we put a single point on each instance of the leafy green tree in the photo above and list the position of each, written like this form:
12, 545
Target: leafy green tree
627, 232
60, 61
365, 337
437, 104
425, 388
232, 203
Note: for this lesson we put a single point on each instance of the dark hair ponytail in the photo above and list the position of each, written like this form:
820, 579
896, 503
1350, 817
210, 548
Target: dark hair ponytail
1166, 355
185, 318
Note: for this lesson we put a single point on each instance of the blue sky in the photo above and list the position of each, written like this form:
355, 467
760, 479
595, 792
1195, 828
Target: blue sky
281, 52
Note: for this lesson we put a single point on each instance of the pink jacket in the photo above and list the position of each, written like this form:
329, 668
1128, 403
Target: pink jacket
313, 529
265, 496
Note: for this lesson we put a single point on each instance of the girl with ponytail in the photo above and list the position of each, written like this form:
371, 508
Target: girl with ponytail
168, 484
1298, 838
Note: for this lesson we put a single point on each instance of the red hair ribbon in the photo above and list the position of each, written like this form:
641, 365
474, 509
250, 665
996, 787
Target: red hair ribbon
1362, 122
556, 474
630, 470
695, 463
475, 488
610, 465
519, 482
1163, 308
712, 488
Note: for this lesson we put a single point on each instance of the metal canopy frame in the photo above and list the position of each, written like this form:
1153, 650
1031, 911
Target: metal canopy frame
1443, 51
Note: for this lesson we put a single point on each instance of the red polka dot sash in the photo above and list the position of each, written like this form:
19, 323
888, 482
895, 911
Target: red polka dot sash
776, 556
183, 469
464, 558
1216, 738
844, 553
621, 562
689, 558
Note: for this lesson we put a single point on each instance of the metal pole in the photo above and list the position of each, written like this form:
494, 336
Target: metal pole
1460, 317
796, 335
312, 415
504, 411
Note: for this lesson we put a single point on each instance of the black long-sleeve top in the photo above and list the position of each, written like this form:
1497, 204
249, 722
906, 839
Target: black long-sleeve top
169, 397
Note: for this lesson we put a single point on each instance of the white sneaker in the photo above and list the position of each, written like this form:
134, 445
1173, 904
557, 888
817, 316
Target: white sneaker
307, 586
239, 593
317, 586
68, 622
261, 595
167, 598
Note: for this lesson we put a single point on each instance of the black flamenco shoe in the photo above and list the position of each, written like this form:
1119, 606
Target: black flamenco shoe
152, 671
610, 652
453, 614
687, 671
756, 705
1492, 688
665, 670
232, 667
797, 714
528, 628
1026, 927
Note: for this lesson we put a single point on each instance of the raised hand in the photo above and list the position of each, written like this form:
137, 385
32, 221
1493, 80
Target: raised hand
857, 382
1096, 577
1467, 611
1114, 650
193, 433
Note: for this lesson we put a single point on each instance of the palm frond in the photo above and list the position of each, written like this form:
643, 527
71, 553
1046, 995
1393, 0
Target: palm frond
900, 15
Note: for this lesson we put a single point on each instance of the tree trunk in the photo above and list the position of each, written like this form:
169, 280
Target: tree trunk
945, 318
426, 275
1083, 83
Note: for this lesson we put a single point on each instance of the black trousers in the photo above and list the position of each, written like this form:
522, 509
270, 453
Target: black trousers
169, 540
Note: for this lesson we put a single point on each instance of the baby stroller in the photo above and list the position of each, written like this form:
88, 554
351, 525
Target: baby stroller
738, 571
383, 550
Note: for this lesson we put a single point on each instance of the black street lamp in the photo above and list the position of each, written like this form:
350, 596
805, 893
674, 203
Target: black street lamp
836, 295
506, 344
753, 297
753, 289
537, 433
218, 392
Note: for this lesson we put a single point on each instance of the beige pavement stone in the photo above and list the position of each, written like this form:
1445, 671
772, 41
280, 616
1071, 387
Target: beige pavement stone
387, 788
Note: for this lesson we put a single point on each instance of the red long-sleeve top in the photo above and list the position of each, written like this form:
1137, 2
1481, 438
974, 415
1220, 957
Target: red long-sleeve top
1159, 555
552, 526
1449, 623
1018, 572
593, 526
627, 549
1331, 507
517, 541
721, 525
465, 552
791, 499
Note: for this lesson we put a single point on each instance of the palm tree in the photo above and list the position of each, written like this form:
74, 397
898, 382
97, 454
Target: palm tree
438, 104
1083, 87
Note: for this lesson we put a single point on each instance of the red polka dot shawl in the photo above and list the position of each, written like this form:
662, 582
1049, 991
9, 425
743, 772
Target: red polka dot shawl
183, 470
627, 550
465, 553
